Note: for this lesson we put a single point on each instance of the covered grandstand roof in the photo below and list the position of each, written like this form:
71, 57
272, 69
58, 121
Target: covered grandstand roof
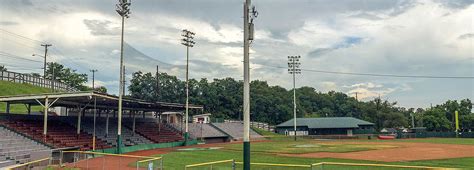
326, 122
82, 99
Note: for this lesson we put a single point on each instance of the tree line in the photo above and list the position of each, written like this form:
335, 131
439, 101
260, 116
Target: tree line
273, 104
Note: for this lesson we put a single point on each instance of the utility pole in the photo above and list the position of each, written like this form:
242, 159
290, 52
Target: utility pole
187, 41
357, 99
45, 54
293, 68
123, 10
95, 106
248, 37
93, 78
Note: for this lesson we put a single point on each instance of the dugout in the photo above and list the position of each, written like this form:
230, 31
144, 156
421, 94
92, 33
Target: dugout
326, 126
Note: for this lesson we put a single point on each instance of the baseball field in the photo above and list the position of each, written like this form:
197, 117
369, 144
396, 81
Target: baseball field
275, 150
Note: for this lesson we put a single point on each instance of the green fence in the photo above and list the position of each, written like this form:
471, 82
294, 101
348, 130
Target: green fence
148, 146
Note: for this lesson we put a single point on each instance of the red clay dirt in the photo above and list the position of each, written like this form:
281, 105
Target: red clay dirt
403, 152
122, 163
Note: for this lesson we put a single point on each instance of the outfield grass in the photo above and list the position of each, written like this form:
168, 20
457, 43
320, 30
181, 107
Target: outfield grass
10, 88
178, 159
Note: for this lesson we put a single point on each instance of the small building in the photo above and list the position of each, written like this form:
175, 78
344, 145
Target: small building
202, 118
325, 126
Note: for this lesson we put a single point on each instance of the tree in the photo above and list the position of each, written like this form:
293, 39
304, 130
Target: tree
3, 68
66, 75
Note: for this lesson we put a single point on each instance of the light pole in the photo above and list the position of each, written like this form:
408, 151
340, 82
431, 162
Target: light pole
95, 106
293, 68
248, 37
123, 10
187, 41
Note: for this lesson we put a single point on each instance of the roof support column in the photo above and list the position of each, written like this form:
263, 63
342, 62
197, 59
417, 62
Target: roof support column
7, 109
28, 107
107, 123
45, 121
133, 128
79, 115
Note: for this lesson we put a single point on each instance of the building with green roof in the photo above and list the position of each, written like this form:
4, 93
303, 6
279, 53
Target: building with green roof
325, 126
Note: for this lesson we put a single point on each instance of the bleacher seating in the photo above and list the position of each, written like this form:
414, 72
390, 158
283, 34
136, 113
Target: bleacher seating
156, 133
15, 148
128, 137
235, 130
201, 130
59, 134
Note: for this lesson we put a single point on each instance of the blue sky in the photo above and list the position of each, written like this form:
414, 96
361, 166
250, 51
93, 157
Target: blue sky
408, 37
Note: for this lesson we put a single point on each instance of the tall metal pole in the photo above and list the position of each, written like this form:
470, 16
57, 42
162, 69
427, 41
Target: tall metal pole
95, 108
188, 42
187, 94
246, 108
294, 101
293, 68
123, 10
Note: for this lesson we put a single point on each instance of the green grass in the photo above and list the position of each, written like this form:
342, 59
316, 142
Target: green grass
267, 152
177, 160
10, 88
457, 141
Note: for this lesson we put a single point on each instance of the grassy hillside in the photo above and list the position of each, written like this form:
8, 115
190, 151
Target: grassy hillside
10, 88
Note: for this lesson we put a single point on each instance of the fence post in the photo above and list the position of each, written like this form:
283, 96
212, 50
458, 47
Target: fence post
233, 164
161, 163
60, 158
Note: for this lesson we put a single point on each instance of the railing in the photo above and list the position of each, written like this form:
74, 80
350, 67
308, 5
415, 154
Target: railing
33, 80
30, 165
97, 160
232, 164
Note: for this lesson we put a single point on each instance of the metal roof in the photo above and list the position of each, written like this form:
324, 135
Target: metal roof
326, 122
86, 98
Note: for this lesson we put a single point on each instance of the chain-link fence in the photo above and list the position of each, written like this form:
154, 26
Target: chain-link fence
232, 165
95, 160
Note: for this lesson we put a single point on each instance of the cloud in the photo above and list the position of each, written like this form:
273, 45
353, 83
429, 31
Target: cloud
409, 37
466, 36
101, 27
7, 23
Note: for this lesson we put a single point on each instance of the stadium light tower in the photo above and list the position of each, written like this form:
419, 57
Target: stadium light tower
187, 41
248, 38
123, 10
294, 68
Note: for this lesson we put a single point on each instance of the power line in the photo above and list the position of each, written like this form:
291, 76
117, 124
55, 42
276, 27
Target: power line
378, 75
16, 57
11, 33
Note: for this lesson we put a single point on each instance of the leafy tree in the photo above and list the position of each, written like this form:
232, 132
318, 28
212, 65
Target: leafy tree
274, 104
66, 75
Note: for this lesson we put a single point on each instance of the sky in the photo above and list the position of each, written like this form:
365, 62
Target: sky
402, 37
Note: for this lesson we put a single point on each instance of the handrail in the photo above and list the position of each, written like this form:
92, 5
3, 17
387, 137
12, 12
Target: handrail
272, 164
380, 165
208, 163
28, 163
111, 154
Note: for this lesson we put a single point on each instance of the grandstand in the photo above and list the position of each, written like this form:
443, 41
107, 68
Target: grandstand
16, 148
73, 126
